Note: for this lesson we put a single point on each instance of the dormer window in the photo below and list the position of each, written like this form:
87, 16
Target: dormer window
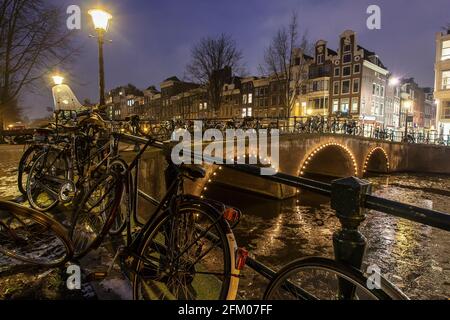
320, 59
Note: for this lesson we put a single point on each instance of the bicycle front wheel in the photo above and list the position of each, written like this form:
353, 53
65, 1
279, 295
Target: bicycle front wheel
95, 214
32, 237
316, 278
25, 164
187, 255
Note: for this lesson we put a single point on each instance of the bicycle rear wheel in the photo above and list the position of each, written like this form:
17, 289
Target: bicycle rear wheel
187, 255
32, 237
48, 174
316, 278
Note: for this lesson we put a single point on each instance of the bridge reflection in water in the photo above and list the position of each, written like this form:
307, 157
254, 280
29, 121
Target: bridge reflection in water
413, 256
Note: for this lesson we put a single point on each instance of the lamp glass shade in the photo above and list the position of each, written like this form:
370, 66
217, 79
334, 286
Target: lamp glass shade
100, 18
57, 80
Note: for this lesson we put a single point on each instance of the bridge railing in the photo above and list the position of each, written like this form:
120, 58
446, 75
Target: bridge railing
312, 124
349, 197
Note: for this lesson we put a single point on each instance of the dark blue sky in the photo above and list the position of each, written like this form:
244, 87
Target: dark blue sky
152, 38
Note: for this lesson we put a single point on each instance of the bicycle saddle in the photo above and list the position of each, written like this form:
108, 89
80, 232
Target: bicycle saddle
194, 171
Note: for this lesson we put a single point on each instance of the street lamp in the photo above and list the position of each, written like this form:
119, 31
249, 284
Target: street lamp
407, 106
100, 18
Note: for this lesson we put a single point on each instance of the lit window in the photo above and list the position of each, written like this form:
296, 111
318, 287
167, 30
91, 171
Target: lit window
250, 98
446, 80
335, 105
345, 87
244, 99
344, 105
205, 105
446, 50
355, 85
355, 105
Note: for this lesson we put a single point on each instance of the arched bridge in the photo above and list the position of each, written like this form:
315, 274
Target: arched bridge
333, 156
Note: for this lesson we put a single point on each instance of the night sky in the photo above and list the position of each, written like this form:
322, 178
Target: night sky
152, 38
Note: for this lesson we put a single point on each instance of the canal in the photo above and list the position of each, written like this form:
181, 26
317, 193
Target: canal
414, 257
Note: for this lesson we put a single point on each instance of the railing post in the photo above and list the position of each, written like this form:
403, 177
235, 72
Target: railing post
347, 196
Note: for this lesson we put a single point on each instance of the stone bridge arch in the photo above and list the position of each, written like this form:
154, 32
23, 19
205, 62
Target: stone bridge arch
331, 159
376, 160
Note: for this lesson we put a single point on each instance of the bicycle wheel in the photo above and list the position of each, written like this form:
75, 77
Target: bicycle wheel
25, 164
316, 278
95, 214
48, 174
186, 255
32, 237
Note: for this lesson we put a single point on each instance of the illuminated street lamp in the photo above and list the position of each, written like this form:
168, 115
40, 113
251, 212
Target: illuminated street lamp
394, 81
57, 79
407, 107
100, 18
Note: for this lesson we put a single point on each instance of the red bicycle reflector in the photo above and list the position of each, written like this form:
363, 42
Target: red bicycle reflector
241, 258
231, 215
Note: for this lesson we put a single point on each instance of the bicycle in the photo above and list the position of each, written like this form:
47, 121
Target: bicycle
79, 152
186, 250
317, 278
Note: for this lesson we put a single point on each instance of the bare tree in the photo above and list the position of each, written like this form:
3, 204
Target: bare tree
212, 61
33, 41
284, 60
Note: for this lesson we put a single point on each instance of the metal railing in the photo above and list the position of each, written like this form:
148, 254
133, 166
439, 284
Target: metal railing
350, 197
301, 125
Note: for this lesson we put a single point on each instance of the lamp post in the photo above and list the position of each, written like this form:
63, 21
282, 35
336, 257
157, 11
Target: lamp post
100, 18
407, 106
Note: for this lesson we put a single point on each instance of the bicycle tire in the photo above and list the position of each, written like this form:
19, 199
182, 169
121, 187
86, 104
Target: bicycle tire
15, 242
387, 291
229, 283
21, 169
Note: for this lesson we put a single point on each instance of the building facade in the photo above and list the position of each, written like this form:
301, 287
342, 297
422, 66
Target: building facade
351, 82
442, 82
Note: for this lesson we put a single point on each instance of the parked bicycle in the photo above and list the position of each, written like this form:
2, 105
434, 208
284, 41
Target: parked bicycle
186, 250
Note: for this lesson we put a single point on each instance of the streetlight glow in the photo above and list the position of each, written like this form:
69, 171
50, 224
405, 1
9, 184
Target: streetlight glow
100, 18
394, 81
57, 79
